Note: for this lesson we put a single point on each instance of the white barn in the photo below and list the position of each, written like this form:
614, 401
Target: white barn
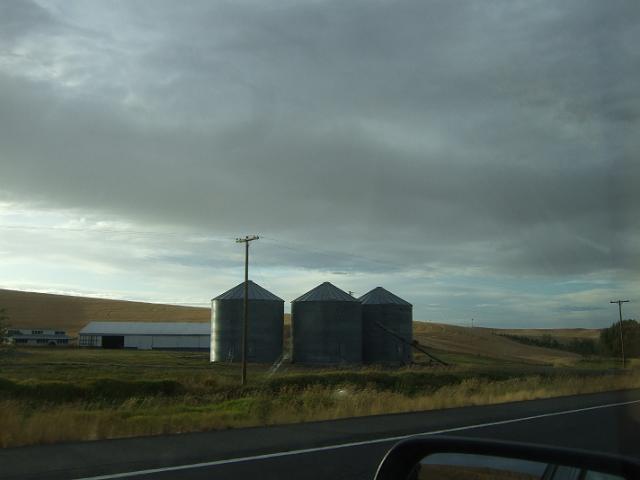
146, 335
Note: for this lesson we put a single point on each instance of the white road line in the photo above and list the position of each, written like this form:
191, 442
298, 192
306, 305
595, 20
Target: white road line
347, 445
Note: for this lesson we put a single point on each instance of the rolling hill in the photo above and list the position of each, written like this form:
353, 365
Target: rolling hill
44, 310
487, 342
30, 309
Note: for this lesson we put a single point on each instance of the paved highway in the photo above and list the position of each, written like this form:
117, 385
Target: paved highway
349, 448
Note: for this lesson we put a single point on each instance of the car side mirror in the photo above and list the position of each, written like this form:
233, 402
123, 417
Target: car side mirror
457, 458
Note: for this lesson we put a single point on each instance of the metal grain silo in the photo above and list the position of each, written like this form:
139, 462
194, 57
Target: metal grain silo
387, 327
326, 327
266, 317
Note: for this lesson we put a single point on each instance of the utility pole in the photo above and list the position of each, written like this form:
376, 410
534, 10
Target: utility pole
472, 323
245, 315
620, 302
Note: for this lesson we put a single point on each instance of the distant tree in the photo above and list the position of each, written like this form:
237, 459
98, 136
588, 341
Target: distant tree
610, 339
548, 341
4, 325
584, 346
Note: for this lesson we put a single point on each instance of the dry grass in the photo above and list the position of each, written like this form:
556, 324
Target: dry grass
25, 423
329, 404
21, 425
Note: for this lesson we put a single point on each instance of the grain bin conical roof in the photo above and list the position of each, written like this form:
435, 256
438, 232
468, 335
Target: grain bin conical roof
326, 292
255, 292
381, 296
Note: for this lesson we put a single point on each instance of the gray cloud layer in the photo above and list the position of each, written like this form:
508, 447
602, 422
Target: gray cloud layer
496, 135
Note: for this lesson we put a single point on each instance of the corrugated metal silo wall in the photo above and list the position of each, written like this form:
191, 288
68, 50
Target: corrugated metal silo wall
264, 340
379, 346
326, 332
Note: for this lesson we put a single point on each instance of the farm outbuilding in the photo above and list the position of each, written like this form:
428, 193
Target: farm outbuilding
146, 335
39, 337
387, 327
264, 326
326, 327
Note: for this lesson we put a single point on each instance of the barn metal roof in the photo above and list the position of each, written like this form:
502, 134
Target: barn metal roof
146, 328
256, 292
381, 296
326, 292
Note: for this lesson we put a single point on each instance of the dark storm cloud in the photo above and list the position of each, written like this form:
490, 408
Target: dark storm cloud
20, 18
496, 135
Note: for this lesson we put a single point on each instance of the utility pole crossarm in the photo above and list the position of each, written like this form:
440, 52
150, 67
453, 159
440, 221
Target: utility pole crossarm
247, 239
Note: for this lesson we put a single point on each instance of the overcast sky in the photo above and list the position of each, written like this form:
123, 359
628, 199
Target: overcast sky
479, 159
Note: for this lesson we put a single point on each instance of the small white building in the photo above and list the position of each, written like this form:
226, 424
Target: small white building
147, 335
38, 337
